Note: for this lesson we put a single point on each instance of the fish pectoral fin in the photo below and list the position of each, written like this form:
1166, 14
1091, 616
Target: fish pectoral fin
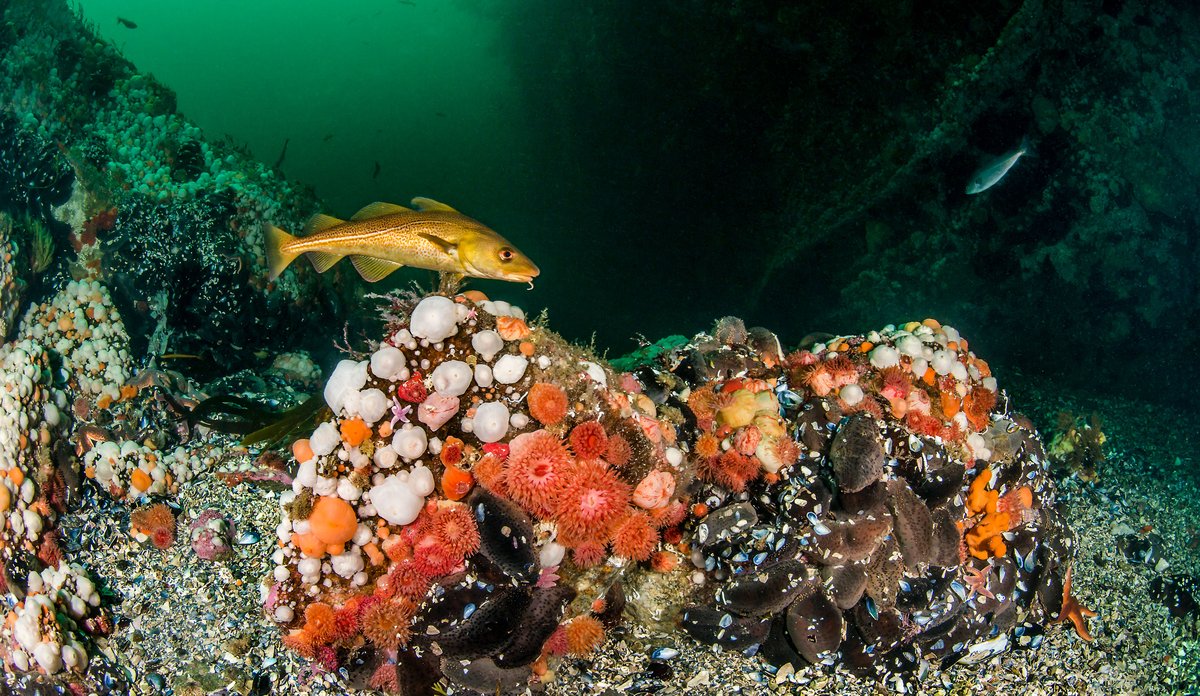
450, 248
320, 223
430, 204
378, 209
323, 260
373, 269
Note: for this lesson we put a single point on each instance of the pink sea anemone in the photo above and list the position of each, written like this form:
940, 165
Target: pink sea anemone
535, 470
589, 441
655, 490
591, 501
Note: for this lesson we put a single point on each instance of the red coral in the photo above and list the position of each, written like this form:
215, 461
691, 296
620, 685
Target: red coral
536, 467
589, 441
591, 501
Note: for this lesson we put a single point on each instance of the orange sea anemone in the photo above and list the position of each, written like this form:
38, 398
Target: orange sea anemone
320, 622
746, 439
387, 624
155, 521
547, 403
635, 537
583, 634
512, 328
664, 562
589, 441
333, 522
978, 404
454, 526
587, 554
354, 431
707, 446
732, 469
592, 499
489, 471
619, 451
536, 466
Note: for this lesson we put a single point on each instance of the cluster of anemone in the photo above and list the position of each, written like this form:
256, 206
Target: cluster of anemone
921, 373
469, 445
45, 631
911, 524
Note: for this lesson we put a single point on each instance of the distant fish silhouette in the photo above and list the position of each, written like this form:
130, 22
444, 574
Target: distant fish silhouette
442, 114
127, 23
992, 172
327, 138
282, 154
375, 175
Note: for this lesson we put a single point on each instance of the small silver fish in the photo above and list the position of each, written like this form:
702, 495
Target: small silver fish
992, 172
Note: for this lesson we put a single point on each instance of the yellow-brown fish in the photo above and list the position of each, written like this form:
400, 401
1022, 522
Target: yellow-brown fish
384, 236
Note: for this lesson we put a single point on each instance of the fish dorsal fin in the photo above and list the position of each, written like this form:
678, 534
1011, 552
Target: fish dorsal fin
379, 208
323, 260
320, 223
427, 204
450, 248
373, 269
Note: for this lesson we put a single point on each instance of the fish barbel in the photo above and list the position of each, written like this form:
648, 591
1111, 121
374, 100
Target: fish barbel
383, 237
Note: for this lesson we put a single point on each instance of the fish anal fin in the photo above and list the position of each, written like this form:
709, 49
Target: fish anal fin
320, 223
323, 260
377, 209
427, 204
373, 269
449, 248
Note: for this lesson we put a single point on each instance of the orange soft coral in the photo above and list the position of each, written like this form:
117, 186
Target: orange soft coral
354, 431
996, 514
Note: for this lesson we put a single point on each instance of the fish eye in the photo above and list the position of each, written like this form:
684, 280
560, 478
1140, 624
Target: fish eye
506, 254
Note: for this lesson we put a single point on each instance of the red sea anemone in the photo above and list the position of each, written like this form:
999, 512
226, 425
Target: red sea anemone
746, 439
842, 370
819, 379
589, 441
454, 527
732, 469
635, 537
707, 446
404, 580
155, 521
547, 403
619, 451
386, 624
588, 554
320, 622
896, 384
592, 499
537, 464
583, 634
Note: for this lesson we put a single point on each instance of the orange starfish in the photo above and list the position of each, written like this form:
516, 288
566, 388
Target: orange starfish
1073, 611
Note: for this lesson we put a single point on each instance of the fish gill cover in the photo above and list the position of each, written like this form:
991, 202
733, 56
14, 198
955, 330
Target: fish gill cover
470, 503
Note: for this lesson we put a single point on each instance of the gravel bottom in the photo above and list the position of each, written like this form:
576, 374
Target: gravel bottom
196, 627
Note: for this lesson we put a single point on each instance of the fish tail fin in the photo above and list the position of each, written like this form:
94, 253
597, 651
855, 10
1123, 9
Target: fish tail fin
1027, 147
277, 258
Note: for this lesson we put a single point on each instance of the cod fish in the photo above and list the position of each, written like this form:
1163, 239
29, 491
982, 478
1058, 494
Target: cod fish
384, 236
992, 172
